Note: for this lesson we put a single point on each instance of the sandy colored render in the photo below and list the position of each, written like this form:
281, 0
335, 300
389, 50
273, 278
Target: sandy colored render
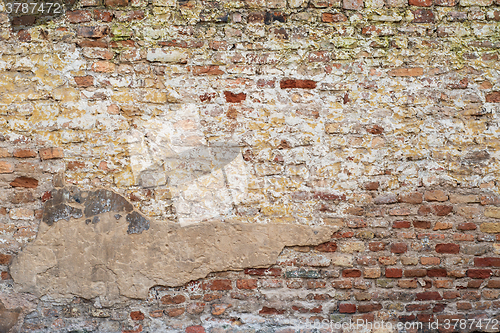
111, 251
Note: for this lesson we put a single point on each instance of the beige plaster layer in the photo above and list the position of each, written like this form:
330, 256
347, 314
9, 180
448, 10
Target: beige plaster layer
75, 258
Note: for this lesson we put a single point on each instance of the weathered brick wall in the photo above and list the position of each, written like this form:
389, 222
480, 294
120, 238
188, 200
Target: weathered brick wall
376, 118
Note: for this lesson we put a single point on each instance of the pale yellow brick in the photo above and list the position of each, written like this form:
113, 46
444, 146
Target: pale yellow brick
351, 247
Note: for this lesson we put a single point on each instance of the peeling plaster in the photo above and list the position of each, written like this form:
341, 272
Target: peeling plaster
125, 255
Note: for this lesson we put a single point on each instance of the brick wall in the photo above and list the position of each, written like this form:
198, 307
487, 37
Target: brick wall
380, 118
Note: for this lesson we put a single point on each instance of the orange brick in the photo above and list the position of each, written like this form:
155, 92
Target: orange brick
51, 153
430, 260
415, 71
24, 153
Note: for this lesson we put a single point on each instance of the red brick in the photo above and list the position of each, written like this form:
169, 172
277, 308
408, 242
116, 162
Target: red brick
116, 3
376, 246
333, 18
399, 248
425, 317
24, 153
78, 16
246, 284
217, 285
424, 210
347, 308
467, 226
195, 329
464, 306
420, 3
437, 272
375, 130
439, 307
103, 15
371, 186
169, 300
24, 182
234, 98
363, 308
451, 294
263, 271
442, 210
422, 224
494, 284
51, 153
487, 262
447, 248
471, 295
5, 259
393, 272
84, 81
479, 273
137, 315
474, 284
24, 36
270, 311
5, 276
351, 273
423, 16
175, 312
327, 247
92, 43
493, 97
420, 272
407, 318
342, 284
417, 307
401, 224
303, 84
428, 296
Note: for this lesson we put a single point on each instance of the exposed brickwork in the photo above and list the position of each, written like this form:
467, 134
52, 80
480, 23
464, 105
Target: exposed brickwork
378, 117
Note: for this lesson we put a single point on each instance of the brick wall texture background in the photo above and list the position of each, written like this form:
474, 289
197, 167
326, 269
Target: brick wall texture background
378, 117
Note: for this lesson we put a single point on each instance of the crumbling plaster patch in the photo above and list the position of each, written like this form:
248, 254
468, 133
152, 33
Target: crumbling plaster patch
77, 254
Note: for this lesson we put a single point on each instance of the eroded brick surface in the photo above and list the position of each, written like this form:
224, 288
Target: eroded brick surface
377, 118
